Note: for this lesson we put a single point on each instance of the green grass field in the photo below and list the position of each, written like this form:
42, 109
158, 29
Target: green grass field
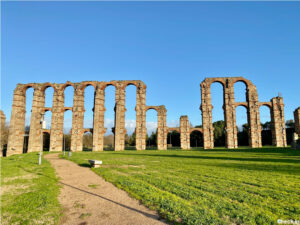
244, 186
28, 191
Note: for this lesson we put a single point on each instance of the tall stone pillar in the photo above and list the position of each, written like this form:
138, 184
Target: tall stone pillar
2, 128
35, 132
119, 131
140, 129
98, 124
17, 122
162, 129
230, 116
297, 120
57, 120
253, 118
278, 122
184, 132
77, 118
206, 108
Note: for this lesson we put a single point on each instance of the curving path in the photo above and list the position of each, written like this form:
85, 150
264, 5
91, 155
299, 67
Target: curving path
89, 199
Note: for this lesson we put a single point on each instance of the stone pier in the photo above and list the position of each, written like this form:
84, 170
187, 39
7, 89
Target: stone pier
297, 120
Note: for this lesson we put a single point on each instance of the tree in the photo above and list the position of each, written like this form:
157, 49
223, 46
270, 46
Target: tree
290, 124
243, 135
151, 141
219, 133
131, 139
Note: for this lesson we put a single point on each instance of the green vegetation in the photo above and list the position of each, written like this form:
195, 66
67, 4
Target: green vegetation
29, 191
244, 186
83, 215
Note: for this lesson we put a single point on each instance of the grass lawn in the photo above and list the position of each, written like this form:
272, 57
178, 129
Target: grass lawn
28, 191
244, 186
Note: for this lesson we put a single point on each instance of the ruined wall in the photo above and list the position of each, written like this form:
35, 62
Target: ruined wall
184, 132
297, 120
17, 124
252, 105
278, 122
162, 129
2, 127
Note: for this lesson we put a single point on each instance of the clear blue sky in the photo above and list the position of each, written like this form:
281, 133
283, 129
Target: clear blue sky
171, 46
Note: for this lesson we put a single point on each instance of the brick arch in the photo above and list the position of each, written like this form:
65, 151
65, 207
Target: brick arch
47, 85
25, 87
196, 129
244, 104
216, 80
247, 82
170, 129
67, 84
104, 85
156, 108
267, 104
85, 84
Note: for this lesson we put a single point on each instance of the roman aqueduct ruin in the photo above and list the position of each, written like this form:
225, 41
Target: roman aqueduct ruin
17, 121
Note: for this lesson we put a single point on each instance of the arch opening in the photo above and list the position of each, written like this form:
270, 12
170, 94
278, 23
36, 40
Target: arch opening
240, 91
67, 126
242, 125
89, 101
69, 94
151, 127
173, 140
46, 132
130, 116
265, 120
196, 139
87, 141
28, 106
109, 117
49, 91
217, 101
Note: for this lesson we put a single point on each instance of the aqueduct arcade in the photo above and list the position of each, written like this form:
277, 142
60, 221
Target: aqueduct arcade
17, 121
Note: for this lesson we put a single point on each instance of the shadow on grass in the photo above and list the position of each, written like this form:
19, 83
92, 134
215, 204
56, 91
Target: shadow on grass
85, 165
217, 158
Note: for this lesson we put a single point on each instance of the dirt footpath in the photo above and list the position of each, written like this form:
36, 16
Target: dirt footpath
88, 199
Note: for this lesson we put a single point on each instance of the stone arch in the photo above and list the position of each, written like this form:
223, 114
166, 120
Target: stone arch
25, 87
47, 85
85, 84
233, 80
243, 104
155, 109
67, 84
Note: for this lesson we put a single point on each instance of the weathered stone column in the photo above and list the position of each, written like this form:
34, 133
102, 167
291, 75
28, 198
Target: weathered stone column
184, 132
77, 118
140, 129
17, 122
38, 103
297, 120
119, 137
162, 129
206, 108
253, 118
278, 122
2, 128
98, 124
230, 116
57, 120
